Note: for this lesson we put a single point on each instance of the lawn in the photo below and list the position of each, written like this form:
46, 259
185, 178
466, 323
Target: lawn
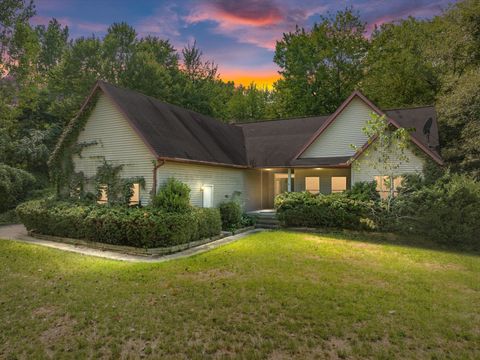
272, 294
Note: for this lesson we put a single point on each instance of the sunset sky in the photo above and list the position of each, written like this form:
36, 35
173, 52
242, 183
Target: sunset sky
239, 35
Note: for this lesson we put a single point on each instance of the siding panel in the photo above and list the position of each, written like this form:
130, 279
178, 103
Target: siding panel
117, 143
346, 129
363, 171
225, 182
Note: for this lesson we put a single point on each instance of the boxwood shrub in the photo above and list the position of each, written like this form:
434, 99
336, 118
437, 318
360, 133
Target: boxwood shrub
303, 209
140, 227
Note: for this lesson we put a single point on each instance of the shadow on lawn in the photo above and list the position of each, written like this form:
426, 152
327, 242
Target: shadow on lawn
377, 238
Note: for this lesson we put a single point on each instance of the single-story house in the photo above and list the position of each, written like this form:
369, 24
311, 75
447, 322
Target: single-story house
255, 160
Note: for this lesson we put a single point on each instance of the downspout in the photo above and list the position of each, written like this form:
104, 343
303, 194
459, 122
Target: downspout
155, 168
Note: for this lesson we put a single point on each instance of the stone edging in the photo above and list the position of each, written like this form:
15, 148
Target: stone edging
147, 252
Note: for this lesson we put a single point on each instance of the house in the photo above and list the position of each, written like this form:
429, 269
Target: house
255, 160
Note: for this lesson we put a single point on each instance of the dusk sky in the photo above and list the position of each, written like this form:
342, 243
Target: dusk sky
239, 35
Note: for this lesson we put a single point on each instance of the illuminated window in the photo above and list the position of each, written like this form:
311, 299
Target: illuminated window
339, 184
383, 185
103, 195
312, 184
135, 199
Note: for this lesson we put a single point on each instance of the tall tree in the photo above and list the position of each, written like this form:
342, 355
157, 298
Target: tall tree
398, 70
322, 66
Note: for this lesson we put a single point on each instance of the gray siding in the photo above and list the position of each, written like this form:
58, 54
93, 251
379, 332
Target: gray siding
225, 182
362, 169
345, 130
117, 143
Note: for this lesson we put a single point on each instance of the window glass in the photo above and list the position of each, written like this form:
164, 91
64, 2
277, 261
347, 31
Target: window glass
383, 185
103, 195
339, 183
135, 199
312, 184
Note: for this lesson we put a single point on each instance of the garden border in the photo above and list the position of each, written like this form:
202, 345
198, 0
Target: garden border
130, 250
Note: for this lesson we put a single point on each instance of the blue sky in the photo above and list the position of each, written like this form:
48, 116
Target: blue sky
239, 35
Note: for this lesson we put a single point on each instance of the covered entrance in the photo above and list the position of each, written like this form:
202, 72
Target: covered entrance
275, 181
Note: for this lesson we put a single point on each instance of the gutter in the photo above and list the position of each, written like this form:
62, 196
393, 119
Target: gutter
157, 165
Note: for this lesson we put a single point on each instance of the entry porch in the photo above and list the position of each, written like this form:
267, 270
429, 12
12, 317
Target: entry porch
274, 181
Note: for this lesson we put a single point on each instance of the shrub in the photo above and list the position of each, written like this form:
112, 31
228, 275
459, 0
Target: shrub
14, 186
231, 215
447, 212
140, 227
336, 210
364, 191
209, 222
173, 196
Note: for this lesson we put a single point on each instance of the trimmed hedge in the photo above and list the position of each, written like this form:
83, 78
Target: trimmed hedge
303, 209
139, 227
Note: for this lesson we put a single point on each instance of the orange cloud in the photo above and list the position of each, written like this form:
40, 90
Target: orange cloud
262, 78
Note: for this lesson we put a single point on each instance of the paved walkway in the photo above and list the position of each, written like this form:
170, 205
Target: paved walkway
19, 233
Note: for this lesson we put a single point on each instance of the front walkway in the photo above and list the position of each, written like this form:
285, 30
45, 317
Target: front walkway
19, 233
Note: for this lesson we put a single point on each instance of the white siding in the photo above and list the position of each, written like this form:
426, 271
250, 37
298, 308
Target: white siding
225, 182
362, 170
117, 143
345, 130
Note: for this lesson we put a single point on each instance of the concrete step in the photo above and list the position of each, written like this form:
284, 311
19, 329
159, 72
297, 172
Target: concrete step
267, 220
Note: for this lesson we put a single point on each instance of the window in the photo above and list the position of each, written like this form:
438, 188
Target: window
103, 195
383, 185
339, 183
312, 184
135, 199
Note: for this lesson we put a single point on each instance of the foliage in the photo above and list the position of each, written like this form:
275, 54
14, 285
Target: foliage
173, 196
9, 217
303, 209
248, 220
399, 72
364, 191
321, 67
231, 214
387, 148
446, 212
140, 227
459, 111
14, 186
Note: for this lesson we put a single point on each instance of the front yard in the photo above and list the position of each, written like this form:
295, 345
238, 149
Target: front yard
273, 294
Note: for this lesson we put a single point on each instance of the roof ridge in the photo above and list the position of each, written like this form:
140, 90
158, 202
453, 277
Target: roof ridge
281, 119
410, 108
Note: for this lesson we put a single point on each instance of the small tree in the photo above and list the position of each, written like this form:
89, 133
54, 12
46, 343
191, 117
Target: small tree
389, 144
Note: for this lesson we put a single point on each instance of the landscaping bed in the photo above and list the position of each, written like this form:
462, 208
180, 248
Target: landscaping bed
145, 228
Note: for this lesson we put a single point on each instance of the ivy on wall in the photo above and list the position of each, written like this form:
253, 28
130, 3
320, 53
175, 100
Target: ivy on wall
61, 166
119, 190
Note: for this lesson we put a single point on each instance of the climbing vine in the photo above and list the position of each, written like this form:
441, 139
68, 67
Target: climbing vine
119, 190
61, 166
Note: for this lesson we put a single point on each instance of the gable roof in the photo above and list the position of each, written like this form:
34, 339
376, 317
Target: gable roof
410, 120
174, 133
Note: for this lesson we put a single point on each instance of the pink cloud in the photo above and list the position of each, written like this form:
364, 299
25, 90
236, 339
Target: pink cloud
92, 27
255, 22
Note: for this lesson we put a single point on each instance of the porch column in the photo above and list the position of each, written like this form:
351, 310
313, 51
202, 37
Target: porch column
289, 182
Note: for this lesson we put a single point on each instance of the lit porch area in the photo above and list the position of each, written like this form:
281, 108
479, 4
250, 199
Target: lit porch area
326, 180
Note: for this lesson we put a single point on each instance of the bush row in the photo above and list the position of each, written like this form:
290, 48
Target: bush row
303, 209
140, 227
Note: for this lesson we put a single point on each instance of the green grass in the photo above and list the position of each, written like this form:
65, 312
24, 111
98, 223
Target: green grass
275, 295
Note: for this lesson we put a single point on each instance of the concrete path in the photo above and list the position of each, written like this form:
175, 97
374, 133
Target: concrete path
19, 233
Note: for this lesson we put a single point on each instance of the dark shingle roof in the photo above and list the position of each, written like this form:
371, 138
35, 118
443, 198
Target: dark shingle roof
173, 132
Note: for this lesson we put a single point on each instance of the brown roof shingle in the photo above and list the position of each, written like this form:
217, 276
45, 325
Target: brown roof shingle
176, 133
